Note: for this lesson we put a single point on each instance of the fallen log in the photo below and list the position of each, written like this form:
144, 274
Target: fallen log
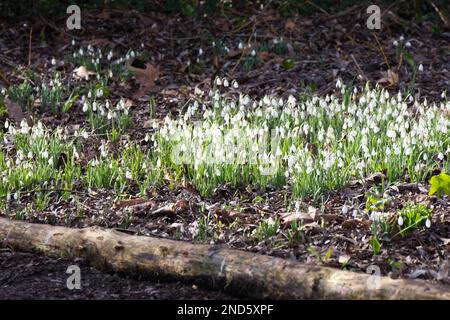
246, 274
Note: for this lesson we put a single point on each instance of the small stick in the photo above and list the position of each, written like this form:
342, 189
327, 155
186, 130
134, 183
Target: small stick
382, 51
438, 12
29, 46
359, 69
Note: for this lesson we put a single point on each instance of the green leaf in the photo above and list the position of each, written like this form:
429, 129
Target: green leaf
328, 255
288, 64
409, 58
375, 244
440, 185
69, 103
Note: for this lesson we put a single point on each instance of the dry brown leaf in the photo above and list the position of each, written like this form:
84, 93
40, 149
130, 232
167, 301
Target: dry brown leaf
145, 77
355, 223
234, 53
289, 25
390, 79
82, 73
374, 178
265, 55
288, 217
223, 24
178, 207
15, 111
137, 204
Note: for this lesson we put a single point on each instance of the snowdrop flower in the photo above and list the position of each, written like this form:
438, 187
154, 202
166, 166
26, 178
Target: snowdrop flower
109, 56
225, 83
440, 156
395, 43
240, 46
53, 61
73, 42
400, 221
420, 67
408, 44
253, 53
44, 154
24, 128
235, 84
428, 223
128, 175
218, 81
200, 51
345, 209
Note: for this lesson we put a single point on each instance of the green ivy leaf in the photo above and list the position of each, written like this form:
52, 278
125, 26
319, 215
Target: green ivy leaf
440, 185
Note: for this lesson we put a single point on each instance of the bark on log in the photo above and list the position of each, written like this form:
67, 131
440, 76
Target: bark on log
247, 274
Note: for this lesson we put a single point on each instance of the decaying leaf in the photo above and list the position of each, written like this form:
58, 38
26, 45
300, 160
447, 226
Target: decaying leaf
82, 73
137, 204
145, 77
307, 217
343, 259
289, 25
374, 178
354, 224
173, 208
265, 55
390, 78
15, 111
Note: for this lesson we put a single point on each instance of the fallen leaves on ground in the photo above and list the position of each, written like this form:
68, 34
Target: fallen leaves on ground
82, 73
145, 78
389, 79
15, 111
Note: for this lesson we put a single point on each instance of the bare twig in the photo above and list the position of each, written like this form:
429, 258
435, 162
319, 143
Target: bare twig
29, 46
359, 69
317, 7
382, 51
444, 20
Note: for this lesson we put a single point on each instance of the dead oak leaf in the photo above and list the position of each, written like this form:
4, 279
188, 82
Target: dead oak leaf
145, 77
390, 79
15, 112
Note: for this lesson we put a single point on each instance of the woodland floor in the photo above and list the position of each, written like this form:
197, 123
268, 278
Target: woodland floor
32, 276
324, 47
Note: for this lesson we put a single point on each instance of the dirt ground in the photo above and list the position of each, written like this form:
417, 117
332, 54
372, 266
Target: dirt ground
32, 276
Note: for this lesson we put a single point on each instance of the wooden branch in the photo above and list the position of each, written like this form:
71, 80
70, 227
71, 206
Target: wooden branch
246, 274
